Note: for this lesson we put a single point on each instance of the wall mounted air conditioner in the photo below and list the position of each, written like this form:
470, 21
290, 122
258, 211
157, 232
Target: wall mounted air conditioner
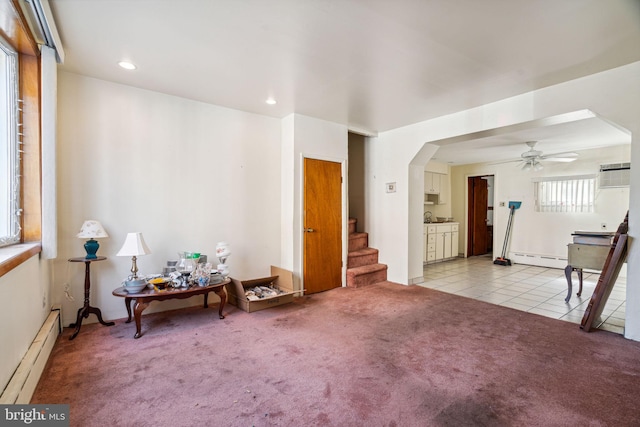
615, 175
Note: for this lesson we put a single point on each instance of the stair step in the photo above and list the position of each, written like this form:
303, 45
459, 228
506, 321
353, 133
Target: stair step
358, 241
366, 275
352, 225
362, 257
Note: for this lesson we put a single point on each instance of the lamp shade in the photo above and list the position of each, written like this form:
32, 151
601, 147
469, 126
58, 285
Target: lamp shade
134, 245
223, 250
92, 229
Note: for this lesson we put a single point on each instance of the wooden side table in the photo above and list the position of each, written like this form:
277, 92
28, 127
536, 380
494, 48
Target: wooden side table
87, 309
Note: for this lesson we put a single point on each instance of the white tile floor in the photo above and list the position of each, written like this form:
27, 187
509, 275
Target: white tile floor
538, 290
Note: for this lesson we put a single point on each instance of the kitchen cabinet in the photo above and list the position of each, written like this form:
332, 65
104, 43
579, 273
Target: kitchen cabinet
440, 241
429, 244
436, 188
454, 243
443, 195
424, 244
431, 183
443, 244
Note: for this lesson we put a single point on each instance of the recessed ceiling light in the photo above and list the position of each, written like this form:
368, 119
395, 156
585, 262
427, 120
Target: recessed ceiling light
270, 101
127, 65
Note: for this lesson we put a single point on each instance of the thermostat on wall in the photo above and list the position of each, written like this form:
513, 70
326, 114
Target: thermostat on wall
391, 187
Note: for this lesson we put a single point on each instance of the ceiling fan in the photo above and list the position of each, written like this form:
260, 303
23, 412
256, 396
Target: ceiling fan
531, 160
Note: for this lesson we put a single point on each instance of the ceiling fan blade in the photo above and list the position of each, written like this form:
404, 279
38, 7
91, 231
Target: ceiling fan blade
567, 155
560, 157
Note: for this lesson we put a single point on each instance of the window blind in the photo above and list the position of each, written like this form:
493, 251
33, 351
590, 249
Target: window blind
565, 194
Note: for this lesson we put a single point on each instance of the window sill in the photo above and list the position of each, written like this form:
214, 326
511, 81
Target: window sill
14, 255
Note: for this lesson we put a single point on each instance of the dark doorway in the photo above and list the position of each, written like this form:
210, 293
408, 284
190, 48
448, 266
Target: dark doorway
480, 224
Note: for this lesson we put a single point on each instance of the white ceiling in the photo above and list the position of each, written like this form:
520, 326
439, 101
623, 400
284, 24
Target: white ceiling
372, 65
574, 131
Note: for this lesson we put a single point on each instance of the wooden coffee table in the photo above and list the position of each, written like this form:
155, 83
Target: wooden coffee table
144, 298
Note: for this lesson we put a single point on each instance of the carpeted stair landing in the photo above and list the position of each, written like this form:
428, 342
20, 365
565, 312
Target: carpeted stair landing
363, 267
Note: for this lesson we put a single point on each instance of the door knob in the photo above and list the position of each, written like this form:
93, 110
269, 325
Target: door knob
309, 230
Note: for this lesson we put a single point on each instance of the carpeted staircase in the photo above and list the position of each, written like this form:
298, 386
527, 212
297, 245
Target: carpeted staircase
362, 264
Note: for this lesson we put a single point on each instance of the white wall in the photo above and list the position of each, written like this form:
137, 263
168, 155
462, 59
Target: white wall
318, 139
613, 94
185, 174
396, 156
632, 320
542, 233
26, 303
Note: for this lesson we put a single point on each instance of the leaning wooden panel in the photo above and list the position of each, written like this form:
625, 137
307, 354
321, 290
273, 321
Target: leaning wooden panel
612, 266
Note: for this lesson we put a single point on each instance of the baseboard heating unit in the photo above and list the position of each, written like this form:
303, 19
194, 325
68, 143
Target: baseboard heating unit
25, 379
549, 261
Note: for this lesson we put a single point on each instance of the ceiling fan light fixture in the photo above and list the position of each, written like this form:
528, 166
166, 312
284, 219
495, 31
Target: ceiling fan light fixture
532, 159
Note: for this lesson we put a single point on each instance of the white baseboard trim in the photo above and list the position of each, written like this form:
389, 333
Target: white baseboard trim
416, 280
25, 379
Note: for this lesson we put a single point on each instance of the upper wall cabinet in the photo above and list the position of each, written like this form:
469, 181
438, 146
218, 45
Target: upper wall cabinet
444, 190
431, 183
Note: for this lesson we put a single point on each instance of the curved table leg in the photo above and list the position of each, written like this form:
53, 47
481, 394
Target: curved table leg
223, 298
139, 308
127, 304
78, 324
83, 313
567, 272
98, 313
579, 270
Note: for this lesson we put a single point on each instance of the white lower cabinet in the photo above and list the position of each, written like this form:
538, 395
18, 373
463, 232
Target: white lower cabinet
454, 243
440, 242
424, 244
429, 243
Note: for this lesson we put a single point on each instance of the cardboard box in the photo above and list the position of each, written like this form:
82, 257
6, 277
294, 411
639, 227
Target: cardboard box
280, 278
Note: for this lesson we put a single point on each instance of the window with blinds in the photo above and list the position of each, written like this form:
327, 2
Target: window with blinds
9, 146
565, 194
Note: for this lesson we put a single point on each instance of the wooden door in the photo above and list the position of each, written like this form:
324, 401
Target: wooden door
478, 204
322, 225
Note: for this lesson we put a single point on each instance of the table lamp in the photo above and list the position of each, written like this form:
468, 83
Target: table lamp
92, 230
134, 246
223, 251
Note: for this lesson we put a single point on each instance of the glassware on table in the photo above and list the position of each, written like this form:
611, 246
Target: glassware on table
187, 265
202, 274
